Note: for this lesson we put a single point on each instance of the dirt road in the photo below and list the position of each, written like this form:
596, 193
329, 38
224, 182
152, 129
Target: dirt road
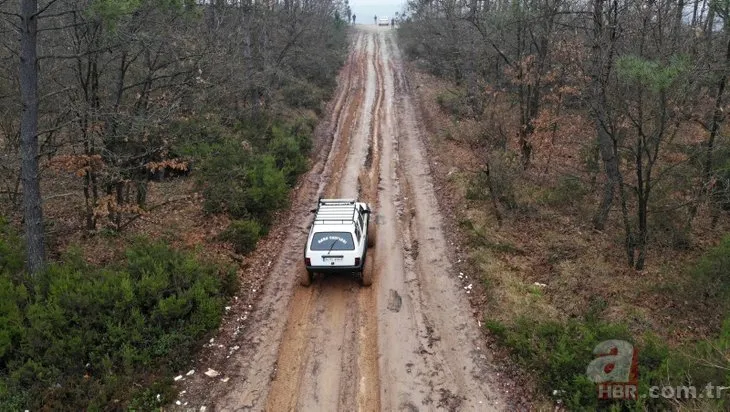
406, 343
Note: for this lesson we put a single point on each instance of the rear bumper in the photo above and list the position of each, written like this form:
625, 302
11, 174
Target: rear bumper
334, 269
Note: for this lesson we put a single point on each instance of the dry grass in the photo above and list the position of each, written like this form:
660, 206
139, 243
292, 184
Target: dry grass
548, 240
175, 214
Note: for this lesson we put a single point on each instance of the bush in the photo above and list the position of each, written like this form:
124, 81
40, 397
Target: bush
84, 335
302, 94
478, 188
711, 274
568, 192
246, 166
246, 169
668, 228
198, 137
454, 103
12, 256
242, 184
267, 191
559, 353
697, 365
290, 147
504, 172
704, 362
244, 234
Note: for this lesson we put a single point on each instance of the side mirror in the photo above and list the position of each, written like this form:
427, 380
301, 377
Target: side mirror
313, 211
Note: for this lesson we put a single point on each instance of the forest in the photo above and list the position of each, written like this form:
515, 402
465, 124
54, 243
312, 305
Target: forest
594, 169
129, 131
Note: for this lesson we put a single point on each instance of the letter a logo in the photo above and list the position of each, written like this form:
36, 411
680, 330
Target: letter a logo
615, 362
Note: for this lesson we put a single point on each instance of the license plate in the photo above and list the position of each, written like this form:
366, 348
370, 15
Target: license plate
332, 258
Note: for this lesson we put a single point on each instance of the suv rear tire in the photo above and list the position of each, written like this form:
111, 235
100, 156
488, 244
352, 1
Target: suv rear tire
366, 278
372, 228
305, 276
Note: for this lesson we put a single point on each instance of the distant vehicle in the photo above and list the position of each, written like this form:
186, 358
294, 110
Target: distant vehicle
338, 241
384, 21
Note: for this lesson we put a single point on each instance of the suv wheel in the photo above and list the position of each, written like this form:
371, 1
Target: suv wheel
366, 277
372, 228
305, 277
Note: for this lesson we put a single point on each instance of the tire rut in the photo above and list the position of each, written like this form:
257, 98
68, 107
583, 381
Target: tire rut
460, 378
339, 368
252, 368
406, 343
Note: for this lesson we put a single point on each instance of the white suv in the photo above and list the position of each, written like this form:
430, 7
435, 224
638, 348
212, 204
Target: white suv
338, 240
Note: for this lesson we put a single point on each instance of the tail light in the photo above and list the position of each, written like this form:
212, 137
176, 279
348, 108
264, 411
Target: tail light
357, 261
308, 261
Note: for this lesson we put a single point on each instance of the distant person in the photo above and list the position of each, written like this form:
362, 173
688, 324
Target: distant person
353, 18
392, 23
375, 20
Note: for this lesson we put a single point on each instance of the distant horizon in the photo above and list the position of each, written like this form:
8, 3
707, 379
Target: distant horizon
365, 10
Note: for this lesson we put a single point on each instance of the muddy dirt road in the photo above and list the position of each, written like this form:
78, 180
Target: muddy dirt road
406, 343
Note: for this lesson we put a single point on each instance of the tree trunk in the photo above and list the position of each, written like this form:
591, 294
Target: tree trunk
601, 66
717, 116
642, 204
629, 240
32, 207
610, 166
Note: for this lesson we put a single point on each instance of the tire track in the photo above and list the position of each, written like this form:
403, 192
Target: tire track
406, 343
327, 366
458, 376
252, 369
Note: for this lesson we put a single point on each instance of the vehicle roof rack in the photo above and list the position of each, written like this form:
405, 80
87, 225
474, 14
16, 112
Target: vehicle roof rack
336, 211
337, 201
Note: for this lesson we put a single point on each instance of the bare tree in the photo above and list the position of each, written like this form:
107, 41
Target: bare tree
32, 202
603, 50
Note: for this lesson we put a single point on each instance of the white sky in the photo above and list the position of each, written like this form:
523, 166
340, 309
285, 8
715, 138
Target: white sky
365, 10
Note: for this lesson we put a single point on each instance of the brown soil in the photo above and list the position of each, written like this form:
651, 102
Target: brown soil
409, 341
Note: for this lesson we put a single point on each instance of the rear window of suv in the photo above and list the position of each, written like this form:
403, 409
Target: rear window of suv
332, 241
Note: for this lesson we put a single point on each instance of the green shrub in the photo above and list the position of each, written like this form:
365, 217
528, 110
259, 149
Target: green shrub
242, 184
568, 192
668, 228
711, 274
302, 94
12, 256
504, 172
245, 166
84, 335
198, 137
478, 188
454, 103
290, 148
243, 234
154, 397
698, 364
704, 362
267, 191
559, 352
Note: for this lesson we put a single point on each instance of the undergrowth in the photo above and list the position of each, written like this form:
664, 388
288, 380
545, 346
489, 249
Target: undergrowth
557, 353
246, 169
78, 337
